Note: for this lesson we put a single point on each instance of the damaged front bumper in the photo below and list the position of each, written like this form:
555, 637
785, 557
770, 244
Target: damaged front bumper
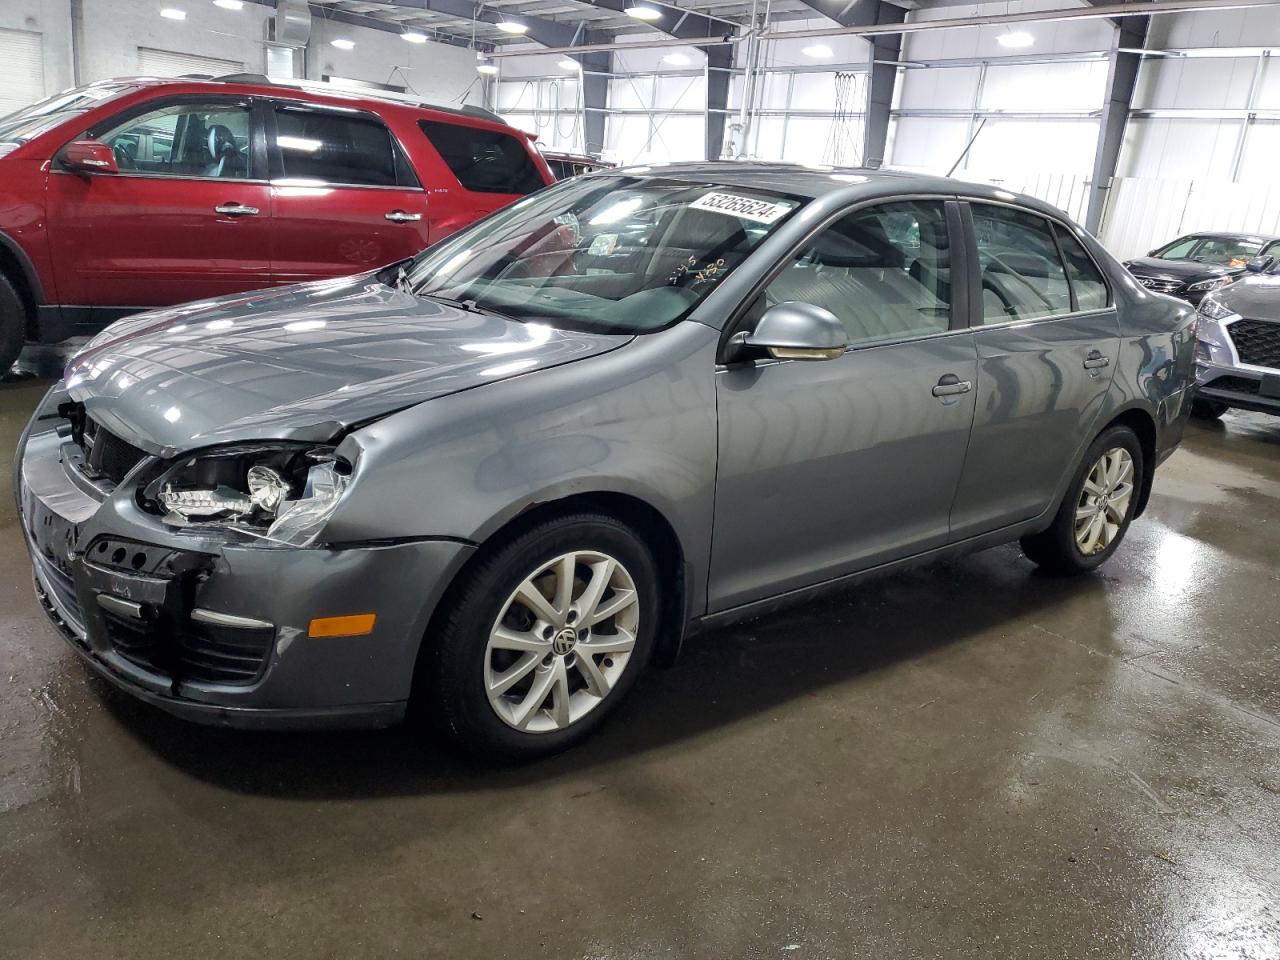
213, 628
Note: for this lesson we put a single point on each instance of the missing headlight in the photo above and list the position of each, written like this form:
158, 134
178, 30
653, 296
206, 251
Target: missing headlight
282, 492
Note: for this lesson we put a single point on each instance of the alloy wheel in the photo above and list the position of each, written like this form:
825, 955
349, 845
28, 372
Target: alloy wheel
1104, 501
561, 641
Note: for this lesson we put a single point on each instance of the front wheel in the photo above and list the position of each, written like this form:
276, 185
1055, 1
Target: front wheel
544, 637
1097, 509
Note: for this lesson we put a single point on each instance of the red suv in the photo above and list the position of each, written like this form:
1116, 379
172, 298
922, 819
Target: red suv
138, 193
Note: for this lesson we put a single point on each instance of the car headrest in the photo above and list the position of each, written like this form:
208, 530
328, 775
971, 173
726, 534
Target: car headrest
705, 230
857, 244
221, 141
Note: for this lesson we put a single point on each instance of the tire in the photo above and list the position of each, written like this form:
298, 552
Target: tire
1060, 549
13, 325
546, 654
1208, 409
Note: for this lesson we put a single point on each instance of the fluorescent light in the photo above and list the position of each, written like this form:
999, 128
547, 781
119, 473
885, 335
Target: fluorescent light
173, 13
677, 59
819, 51
568, 63
644, 13
413, 36
512, 26
488, 69
1017, 39
229, 4
342, 43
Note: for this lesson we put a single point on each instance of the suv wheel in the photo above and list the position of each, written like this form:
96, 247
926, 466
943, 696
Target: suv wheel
1097, 509
1208, 409
13, 324
545, 637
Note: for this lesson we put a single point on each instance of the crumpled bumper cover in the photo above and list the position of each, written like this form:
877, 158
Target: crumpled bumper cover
217, 632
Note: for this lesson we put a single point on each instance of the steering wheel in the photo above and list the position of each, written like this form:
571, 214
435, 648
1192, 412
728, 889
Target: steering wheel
123, 154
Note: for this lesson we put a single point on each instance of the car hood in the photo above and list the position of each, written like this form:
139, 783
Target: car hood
1179, 269
300, 363
1257, 297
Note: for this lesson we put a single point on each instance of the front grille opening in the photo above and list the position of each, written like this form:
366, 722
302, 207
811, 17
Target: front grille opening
190, 652
1257, 342
1235, 385
106, 455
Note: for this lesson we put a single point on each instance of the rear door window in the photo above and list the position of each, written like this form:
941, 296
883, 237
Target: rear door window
484, 161
1022, 274
1087, 285
351, 149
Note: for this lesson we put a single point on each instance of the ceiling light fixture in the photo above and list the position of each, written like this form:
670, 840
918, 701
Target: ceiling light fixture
342, 43
173, 13
488, 69
819, 51
568, 63
512, 26
1015, 39
229, 4
677, 59
413, 36
642, 12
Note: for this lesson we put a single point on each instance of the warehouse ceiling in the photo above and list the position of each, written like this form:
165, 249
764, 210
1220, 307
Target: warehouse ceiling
608, 18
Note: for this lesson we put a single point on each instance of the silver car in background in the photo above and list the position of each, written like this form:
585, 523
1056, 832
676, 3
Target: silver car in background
506, 475
1238, 354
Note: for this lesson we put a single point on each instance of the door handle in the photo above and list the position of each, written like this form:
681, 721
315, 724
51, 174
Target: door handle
402, 216
950, 385
1096, 361
235, 210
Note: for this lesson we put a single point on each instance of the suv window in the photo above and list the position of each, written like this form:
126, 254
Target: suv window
193, 139
884, 271
484, 161
320, 146
1087, 285
1022, 273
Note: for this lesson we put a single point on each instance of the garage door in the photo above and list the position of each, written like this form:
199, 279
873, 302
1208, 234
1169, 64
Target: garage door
21, 69
166, 63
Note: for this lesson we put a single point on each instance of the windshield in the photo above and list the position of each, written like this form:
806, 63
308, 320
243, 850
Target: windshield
613, 254
33, 120
1225, 251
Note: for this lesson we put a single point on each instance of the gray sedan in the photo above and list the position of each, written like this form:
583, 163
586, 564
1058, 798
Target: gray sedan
503, 477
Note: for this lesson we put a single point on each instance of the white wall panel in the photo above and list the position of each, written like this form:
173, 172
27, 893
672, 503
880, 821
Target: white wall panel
1177, 148
680, 93
1260, 161
928, 144
1045, 86
1198, 84
1023, 146
942, 88
631, 93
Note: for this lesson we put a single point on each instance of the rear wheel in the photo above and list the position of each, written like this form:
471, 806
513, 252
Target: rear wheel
13, 324
545, 637
1098, 507
1208, 409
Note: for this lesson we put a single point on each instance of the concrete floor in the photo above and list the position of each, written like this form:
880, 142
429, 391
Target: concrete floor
973, 760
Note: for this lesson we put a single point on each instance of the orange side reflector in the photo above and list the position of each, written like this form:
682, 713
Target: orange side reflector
355, 625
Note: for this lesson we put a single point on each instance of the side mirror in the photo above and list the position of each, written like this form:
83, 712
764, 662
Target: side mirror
796, 331
1259, 264
89, 156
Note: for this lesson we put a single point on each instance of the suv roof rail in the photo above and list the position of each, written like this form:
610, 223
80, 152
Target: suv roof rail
320, 86
243, 78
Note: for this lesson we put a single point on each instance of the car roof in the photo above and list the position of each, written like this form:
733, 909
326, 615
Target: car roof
814, 181
319, 92
1228, 235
